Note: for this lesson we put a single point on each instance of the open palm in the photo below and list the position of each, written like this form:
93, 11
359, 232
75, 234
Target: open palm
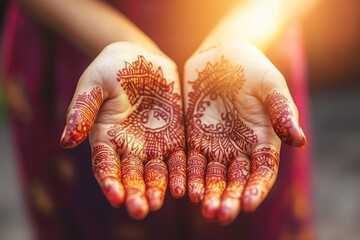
129, 103
238, 107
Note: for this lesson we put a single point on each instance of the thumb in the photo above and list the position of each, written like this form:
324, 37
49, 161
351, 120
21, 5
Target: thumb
282, 111
82, 112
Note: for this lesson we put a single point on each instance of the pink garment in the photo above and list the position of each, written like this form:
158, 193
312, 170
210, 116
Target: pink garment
62, 196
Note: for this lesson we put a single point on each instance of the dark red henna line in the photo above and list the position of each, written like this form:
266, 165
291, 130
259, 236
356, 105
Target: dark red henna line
177, 170
238, 174
156, 182
283, 119
215, 179
196, 165
227, 137
265, 157
154, 129
106, 167
264, 167
81, 120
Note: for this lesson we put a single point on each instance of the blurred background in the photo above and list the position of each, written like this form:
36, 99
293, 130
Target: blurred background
332, 37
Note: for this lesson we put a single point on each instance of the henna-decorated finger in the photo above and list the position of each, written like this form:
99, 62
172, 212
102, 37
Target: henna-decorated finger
177, 173
284, 119
156, 182
238, 174
196, 164
133, 181
263, 171
215, 179
107, 171
81, 116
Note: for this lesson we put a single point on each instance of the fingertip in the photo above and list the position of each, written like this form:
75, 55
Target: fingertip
137, 206
178, 190
114, 192
155, 198
210, 207
251, 198
303, 141
229, 209
196, 191
75, 131
177, 174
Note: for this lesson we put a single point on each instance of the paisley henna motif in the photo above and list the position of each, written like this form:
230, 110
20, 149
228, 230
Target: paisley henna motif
214, 125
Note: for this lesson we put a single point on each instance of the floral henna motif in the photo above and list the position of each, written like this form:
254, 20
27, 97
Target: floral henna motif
154, 128
281, 116
80, 122
214, 124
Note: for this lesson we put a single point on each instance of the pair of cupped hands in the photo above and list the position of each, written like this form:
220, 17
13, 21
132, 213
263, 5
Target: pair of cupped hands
223, 149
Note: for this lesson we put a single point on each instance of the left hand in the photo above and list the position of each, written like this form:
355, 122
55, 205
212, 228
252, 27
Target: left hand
238, 109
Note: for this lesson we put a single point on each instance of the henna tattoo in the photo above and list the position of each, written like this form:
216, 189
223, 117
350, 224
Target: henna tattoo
132, 174
264, 167
265, 157
215, 178
213, 122
106, 167
238, 175
177, 169
196, 171
156, 182
105, 163
154, 128
215, 184
80, 122
281, 116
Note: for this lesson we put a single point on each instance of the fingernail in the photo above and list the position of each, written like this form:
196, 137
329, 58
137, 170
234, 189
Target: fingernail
63, 143
302, 145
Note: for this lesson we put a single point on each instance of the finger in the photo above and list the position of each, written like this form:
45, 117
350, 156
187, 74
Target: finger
284, 117
263, 168
132, 178
196, 176
238, 174
81, 115
107, 171
156, 182
215, 184
177, 170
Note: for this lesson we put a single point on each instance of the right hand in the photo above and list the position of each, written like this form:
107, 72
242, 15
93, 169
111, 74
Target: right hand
129, 103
